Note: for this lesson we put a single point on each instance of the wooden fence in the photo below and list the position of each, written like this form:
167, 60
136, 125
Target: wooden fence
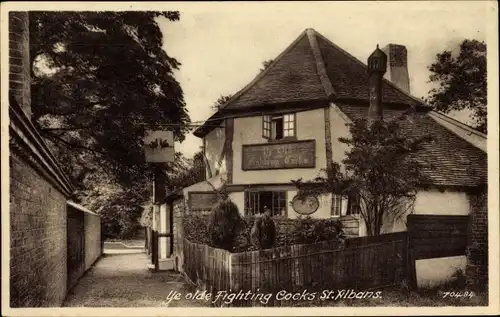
435, 236
360, 263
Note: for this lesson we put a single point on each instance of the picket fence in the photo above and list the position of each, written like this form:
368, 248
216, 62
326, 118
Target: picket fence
363, 263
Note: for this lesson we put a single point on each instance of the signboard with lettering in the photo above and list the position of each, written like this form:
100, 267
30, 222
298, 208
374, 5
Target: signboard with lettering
202, 201
159, 146
296, 154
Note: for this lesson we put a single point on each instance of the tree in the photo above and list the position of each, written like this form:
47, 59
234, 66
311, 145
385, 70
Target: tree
221, 101
266, 64
186, 172
462, 81
381, 175
100, 79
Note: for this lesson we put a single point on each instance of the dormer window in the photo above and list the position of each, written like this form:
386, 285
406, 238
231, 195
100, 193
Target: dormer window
277, 127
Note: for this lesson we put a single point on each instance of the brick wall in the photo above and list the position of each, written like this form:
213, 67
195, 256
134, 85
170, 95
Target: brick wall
38, 191
38, 238
477, 246
19, 60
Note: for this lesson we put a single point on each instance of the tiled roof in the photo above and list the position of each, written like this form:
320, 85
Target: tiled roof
292, 77
349, 76
448, 159
313, 68
297, 75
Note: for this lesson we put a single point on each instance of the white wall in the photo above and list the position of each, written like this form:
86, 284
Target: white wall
214, 142
437, 202
163, 229
338, 129
431, 272
310, 125
239, 199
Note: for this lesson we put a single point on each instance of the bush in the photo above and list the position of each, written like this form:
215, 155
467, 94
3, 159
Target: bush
308, 230
225, 224
302, 230
196, 227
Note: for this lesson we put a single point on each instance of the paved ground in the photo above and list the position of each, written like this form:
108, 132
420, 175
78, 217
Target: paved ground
123, 280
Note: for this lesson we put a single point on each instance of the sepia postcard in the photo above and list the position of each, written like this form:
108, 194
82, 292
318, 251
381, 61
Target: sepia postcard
306, 158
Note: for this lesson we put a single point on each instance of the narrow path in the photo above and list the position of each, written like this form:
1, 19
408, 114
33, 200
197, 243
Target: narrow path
123, 280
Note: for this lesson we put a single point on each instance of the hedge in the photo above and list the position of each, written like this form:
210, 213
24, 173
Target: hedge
302, 230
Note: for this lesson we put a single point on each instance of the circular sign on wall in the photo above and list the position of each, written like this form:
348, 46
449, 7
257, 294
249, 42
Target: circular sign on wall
305, 206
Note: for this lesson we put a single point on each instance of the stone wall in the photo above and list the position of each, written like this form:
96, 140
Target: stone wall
477, 249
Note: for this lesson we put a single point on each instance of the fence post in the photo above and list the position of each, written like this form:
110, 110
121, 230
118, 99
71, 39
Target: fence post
154, 257
410, 263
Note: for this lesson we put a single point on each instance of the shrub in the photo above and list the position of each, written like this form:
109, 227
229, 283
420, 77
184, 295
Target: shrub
225, 224
196, 227
302, 230
308, 230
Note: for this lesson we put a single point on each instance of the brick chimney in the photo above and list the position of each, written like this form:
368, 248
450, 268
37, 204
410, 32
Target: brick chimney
19, 60
397, 66
377, 66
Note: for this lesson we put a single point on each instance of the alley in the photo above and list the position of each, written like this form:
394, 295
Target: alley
123, 280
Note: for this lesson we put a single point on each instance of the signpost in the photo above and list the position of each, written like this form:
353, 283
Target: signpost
158, 150
294, 154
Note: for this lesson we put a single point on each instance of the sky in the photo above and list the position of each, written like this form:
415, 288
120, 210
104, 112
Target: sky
221, 46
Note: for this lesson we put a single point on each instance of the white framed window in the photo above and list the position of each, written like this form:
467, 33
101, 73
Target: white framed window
266, 127
277, 127
256, 200
337, 206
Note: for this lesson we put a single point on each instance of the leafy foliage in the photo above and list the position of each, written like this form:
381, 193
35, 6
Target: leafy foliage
302, 230
225, 224
379, 169
100, 79
196, 228
186, 171
266, 64
309, 230
221, 101
462, 81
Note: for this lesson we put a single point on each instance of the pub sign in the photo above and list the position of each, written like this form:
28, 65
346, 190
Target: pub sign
159, 146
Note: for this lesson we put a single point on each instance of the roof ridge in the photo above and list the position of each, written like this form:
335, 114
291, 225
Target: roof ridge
364, 65
459, 124
320, 64
265, 71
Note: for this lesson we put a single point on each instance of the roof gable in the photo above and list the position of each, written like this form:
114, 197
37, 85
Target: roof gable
349, 76
291, 77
